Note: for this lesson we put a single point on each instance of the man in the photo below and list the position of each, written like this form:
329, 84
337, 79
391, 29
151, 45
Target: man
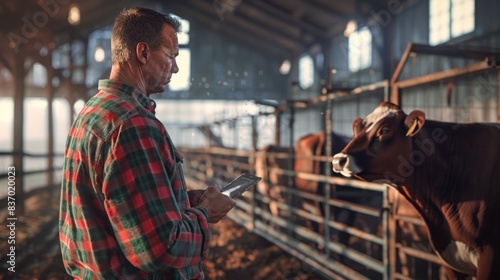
125, 212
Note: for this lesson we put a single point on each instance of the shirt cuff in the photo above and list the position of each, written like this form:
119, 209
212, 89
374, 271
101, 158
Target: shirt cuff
205, 229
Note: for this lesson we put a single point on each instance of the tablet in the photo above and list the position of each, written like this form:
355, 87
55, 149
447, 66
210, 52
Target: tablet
239, 185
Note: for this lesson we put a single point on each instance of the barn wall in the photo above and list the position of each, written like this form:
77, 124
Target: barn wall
225, 69
471, 98
345, 110
308, 121
411, 24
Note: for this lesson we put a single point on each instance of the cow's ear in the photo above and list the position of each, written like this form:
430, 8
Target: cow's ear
414, 122
356, 125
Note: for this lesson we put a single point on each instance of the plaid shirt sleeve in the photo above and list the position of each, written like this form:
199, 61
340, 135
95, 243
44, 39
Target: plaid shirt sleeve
142, 185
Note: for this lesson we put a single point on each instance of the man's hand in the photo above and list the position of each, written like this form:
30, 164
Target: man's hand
194, 197
215, 203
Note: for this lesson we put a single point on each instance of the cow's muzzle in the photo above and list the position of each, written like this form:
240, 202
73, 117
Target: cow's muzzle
345, 165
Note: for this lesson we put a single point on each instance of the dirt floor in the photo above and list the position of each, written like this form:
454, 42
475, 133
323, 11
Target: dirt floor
238, 254
235, 253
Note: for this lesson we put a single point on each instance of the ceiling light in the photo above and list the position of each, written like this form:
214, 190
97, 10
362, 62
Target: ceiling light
285, 67
99, 54
350, 27
74, 15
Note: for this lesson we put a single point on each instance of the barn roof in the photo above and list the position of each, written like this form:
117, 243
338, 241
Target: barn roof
284, 28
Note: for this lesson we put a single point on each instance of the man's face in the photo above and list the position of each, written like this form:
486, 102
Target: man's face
162, 63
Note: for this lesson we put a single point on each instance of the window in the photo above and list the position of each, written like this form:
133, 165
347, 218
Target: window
360, 49
449, 19
306, 71
181, 80
39, 75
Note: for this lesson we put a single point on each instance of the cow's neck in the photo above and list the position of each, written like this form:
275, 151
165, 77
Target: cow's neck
439, 178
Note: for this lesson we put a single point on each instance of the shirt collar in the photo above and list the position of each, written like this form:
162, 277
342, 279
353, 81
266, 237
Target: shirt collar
110, 85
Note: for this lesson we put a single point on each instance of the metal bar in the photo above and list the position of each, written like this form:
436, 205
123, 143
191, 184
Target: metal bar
334, 246
326, 266
13, 153
329, 223
401, 64
279, 238
333, 180
340, 203
420, 254
5, 175
411, 220
439, 76
453, 52
328, 170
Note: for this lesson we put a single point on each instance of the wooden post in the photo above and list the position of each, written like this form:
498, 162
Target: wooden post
395, 95
498, 96
50, 118
19, 88
277, 126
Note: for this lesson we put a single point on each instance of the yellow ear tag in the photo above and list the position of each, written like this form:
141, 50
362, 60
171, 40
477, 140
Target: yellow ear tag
412, 128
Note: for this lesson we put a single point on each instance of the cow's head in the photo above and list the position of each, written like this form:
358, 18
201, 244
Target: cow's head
380, 141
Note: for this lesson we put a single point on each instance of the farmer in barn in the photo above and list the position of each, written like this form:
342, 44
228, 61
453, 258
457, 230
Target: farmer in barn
125, 211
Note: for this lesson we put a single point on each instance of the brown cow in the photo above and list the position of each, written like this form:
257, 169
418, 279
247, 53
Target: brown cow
271, 157
306, 147
449, 172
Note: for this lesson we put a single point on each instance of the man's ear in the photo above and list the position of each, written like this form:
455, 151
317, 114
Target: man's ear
142, 52
414, 122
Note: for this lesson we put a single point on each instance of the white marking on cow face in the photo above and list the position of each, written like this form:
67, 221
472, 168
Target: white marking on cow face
377, 115
345, 165
460, 257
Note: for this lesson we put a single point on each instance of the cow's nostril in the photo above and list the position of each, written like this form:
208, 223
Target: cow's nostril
338, 162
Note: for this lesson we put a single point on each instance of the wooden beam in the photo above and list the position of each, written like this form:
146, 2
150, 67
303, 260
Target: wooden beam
479, 54
443, 75
401, 64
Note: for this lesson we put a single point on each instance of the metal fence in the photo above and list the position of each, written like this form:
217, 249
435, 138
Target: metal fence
358, 234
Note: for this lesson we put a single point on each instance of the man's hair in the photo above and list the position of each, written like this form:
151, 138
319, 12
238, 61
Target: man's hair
138, 25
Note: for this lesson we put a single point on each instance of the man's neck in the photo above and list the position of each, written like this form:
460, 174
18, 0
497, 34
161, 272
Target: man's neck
128, 74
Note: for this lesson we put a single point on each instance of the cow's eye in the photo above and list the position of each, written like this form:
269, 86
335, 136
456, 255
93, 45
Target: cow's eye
384, 131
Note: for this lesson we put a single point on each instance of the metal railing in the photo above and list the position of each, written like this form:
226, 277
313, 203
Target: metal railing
291, 230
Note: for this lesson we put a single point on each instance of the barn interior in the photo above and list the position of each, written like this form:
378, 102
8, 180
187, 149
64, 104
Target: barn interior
256, 76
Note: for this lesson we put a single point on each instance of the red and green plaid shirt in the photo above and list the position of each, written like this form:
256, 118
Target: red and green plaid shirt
124, 210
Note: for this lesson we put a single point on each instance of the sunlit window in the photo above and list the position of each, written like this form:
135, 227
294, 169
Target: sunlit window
449, 19
39, 75
183, 36
181, 80
360, 49
462, 17
306, 71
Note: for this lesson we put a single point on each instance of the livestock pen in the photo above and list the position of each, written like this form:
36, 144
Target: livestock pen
364, 230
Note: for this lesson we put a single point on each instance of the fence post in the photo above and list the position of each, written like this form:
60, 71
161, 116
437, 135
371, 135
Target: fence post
251, 162
389, 225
